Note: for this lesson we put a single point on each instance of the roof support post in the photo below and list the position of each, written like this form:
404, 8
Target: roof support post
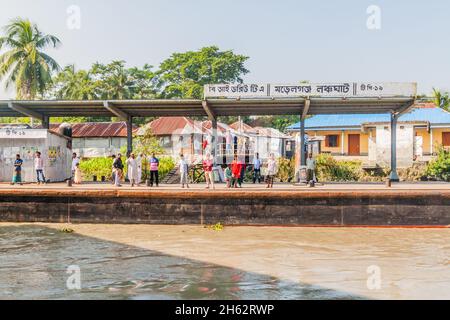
25, 111
46, 122
302, 143
209, 112
303, 133
394, 176
214, 140
115, 111
129, 135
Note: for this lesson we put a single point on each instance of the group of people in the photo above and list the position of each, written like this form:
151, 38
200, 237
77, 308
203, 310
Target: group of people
234, 173
134, 169
38, 167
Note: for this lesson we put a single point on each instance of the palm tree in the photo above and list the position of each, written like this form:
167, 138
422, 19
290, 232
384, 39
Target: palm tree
441, 100
25, 64
70, 84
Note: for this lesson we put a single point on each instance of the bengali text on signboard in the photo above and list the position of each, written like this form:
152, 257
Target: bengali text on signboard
344, 89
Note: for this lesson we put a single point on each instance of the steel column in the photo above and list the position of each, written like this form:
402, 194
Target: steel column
394, 176
129, 135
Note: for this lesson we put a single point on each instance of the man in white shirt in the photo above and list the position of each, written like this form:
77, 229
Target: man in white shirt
184, 169
139, 167
75, 161
256, 169
310, 168
39, 167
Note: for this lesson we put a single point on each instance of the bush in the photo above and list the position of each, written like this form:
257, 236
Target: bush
286, 169
96, 167
329, 169
439, 168
103, 167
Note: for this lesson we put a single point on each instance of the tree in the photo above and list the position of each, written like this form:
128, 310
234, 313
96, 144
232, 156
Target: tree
147, 143
183, 75
25, 64
114, 81
441, 100
70, 84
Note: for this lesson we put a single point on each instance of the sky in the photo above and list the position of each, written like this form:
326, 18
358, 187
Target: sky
287, 40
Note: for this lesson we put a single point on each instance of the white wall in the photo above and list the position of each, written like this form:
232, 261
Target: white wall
26, 142
405, 145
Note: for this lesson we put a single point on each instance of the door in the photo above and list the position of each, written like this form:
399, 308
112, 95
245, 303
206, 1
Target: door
446, 139
353, 145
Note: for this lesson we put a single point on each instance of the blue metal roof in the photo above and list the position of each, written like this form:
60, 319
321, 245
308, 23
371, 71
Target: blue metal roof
343, 121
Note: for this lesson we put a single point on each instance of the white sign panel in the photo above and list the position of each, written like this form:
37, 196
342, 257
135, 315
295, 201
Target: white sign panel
338, 89
236, 90
17, 133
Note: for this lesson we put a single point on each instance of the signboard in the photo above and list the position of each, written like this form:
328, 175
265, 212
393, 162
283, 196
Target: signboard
338, 89
19, 133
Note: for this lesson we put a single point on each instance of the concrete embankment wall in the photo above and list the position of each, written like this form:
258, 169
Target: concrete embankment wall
338, 208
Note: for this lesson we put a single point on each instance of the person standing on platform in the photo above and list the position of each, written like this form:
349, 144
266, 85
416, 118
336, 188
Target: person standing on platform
17, 177
39, 167
310, 168
235, 171
256, 169
271, 170
77, 174
208, 170
242, 173
118, 170
184, 170
133, 170
154, 167
113, 170
75, 161
139, 159
228, 176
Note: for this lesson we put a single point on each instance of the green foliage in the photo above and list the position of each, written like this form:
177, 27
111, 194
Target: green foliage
147, 143
103, 167
70, 84
441, 100
105, 81
183, 75
286, 169
439, 168
25, 64
97, 167
329, 169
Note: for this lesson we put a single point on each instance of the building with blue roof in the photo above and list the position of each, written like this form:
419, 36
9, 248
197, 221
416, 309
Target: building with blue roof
420, 134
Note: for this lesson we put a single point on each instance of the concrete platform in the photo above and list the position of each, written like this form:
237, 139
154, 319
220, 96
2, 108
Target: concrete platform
405, 204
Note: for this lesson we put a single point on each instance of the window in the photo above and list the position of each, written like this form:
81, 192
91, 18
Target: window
446, 139
332, 141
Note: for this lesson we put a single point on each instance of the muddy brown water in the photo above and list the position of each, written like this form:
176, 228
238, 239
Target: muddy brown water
191, 262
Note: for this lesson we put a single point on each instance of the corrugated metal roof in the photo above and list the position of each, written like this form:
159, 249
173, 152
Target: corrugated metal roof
96, 129
245, 127
429, 114
171, 125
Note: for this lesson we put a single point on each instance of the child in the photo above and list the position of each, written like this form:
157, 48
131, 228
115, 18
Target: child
228, 176
77, 175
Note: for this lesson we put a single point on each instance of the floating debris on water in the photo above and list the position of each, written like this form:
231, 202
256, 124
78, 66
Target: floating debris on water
67, 230
216, 227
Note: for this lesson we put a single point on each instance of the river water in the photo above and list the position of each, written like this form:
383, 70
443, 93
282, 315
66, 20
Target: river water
191, 262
